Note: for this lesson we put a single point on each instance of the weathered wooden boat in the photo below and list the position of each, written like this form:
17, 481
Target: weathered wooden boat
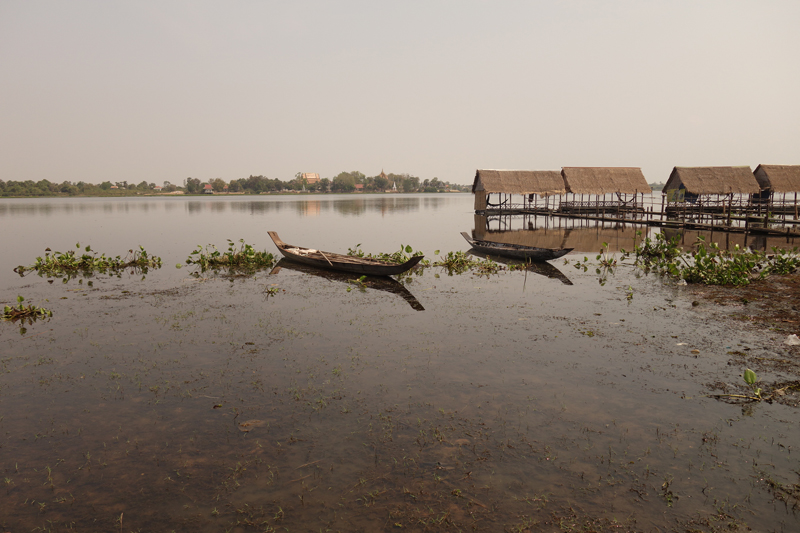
363, 266
515, 251
380, 283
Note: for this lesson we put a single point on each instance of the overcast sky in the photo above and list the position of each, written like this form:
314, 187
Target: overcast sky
164, 90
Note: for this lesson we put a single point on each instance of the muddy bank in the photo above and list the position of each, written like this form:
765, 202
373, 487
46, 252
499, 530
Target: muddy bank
769, 307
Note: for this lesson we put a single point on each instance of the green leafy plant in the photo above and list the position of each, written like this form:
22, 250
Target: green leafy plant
456, 262
405, 253
25, 312
360, 283
244, 258
271, 291
85, 262
710, 265
606, 260
658, 249
751, 379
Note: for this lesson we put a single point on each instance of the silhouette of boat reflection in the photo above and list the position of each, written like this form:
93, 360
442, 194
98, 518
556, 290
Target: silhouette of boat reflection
380, 283
541, 268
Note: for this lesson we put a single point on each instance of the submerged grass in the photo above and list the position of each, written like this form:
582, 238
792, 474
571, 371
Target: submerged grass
70, 264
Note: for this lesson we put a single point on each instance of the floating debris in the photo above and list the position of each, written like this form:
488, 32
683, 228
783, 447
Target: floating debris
250, 425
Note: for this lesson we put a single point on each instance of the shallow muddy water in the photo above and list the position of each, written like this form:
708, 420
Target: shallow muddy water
516, 402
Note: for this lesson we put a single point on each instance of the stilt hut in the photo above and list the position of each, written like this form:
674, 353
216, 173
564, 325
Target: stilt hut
601, 191
517, 191
708, 191
779, 187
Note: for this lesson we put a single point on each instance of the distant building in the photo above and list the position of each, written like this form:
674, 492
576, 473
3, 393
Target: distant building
208, 189
311, 177
157, 188
359, 186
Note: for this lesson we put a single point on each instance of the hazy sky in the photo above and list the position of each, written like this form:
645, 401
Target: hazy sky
164, 90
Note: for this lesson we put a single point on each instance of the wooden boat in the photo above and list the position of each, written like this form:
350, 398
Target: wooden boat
343, 263
515, 251
380, 283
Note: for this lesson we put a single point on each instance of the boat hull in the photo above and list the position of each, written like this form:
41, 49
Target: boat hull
515, 251
342, 263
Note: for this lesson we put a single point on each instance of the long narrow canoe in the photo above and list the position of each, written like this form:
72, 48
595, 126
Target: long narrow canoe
515, 251
343, 263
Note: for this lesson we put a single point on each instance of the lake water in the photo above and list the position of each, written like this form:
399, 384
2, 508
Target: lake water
557, 399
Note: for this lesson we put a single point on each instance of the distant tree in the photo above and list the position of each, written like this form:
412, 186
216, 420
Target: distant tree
218, 184
324, 185
106, 185
193, 186
45, 187
143, 185
410, 184
344, 182
381, 183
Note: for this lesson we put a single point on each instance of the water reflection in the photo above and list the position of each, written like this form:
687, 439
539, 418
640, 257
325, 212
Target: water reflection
350, 205
542, 268
381, 283
546, 232
590, 236
728, 241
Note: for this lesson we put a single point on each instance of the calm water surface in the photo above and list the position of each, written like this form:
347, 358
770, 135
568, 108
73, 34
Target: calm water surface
550, 400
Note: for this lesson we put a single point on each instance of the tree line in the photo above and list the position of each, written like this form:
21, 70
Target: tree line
342, 182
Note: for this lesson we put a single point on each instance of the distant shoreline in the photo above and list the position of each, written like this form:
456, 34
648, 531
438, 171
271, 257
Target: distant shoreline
181, 194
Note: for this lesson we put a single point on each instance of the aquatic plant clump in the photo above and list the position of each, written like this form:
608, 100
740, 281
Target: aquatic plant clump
241, 258
738, 267
70, 263
460, 262
405, 253
710, 265
454, 262
660, 248
22, 312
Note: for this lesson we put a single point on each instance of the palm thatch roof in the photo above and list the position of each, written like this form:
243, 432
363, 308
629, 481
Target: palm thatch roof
604, 180
713, 180
778, 178
541, 182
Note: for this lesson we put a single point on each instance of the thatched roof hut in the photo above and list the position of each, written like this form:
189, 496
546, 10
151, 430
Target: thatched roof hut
604, 180
778, 178
713, 180
539, 182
